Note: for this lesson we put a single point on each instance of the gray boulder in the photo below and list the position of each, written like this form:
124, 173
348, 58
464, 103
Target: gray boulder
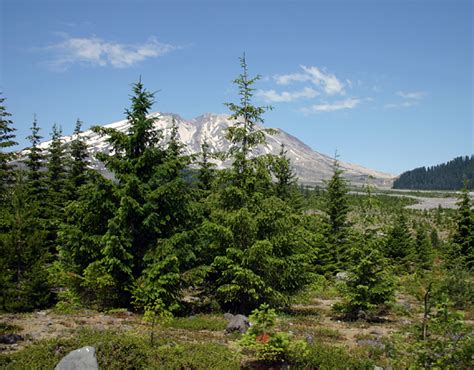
237, 323
342, 277
82, 358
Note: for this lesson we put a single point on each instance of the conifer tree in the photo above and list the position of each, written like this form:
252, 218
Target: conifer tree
370, 283
337, 209
7, 140
266, 254
23, 254
206, 168
56, 175
285, 175
245, 133
423, 249
79, 158
399, 243
463, 238
34, 164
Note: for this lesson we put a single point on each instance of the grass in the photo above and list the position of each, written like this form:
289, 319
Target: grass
198, 322
6, 328
119, 350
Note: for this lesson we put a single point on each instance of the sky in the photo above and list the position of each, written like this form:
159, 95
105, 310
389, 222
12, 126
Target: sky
388, 84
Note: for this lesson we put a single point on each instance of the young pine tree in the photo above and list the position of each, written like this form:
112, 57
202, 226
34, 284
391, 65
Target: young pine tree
370, 283
245, 134
337, 208
7, 140
34, 162
286, 180
23, 254
423, 249
266, 254
79, 160
463, 238
399, 243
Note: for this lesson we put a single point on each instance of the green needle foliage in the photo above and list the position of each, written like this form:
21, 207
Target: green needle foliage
7, 140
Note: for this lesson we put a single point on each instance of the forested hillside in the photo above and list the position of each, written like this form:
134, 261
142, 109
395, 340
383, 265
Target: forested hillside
446, 176
246, 240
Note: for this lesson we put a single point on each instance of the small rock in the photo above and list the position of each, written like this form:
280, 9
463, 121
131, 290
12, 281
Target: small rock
82, 358
309, 339
238, 323
228, 316
10, 338
377, 367
342, 276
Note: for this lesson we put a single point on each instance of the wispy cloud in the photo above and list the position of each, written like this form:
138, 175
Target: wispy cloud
98, 52
416, 95
272, 96
404, 104
290, 78
331, 107
410, 99
330, 84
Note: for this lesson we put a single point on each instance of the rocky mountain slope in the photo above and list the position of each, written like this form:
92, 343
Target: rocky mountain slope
311, 167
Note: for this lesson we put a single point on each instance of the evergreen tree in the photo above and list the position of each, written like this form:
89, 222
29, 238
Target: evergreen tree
56, 177
463, 238
79, 159
399, 243
23, 254
286, 180
423, 249
337, 209
263, 252
370, 283
206, 168
34, 164
7, 140
245, 134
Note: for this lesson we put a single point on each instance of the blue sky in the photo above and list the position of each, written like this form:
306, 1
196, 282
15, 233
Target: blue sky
389, 84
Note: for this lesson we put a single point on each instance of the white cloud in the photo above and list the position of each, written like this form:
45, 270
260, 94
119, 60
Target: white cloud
327, 81
417, 95
331, 107
271, 96
95, 51
404, 104
294, 77
410, 99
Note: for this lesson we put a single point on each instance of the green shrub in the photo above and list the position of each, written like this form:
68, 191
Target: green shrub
268, 345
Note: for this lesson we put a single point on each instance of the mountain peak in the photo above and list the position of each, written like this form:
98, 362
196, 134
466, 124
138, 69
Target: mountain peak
310, 166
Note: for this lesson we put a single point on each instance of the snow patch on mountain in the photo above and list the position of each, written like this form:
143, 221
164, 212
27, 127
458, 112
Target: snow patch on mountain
310, 166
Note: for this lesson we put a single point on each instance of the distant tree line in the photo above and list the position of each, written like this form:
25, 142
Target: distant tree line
445, 176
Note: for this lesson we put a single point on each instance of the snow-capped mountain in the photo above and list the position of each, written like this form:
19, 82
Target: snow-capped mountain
310, 166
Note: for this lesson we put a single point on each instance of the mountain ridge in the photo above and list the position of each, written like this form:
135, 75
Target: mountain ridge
310, 166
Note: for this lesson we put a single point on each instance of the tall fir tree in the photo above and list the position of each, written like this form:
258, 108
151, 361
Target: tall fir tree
34, 162
399, 243
262, 242
245, 134
335, 257
23, 254
285, 176
463, 238
56, 175
206, 170
7, 140
79, 158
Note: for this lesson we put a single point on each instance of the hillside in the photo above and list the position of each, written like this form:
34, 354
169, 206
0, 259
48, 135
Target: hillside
445, 176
